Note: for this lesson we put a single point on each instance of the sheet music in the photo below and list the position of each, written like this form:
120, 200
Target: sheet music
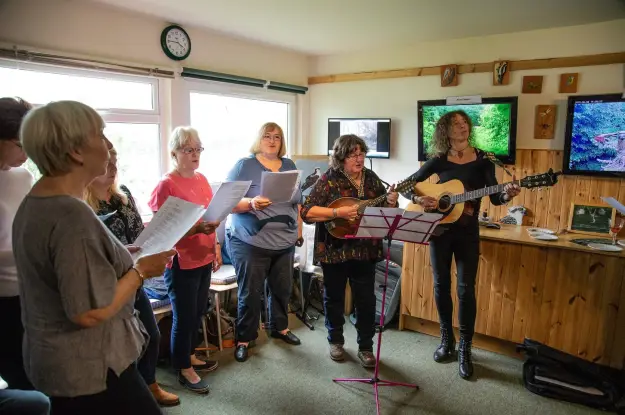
376, 222
614, 203
225, 199
279, 187
172, 221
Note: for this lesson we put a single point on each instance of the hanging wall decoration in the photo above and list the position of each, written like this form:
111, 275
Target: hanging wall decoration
568, 83
501, 73
532, 84
449, 75
545, 122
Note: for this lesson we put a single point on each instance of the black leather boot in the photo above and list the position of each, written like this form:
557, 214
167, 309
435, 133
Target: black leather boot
447, 349
465, 368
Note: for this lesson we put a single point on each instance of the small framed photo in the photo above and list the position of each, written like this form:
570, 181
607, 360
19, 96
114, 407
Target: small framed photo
590, 219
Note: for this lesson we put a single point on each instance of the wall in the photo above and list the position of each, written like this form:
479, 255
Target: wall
397, 98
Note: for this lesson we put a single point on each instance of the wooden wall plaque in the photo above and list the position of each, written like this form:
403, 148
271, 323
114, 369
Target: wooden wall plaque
545, 122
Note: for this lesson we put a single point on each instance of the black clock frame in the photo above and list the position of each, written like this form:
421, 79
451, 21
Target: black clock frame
164, 42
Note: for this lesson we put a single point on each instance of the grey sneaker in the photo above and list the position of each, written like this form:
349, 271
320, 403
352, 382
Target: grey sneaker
336, 352
367, 359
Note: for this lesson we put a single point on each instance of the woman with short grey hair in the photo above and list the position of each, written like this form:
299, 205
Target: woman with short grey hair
77, 282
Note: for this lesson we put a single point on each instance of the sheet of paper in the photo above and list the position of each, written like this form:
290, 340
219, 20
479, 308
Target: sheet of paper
225, 199
614, 203
279, 187
169, 224
412, 226
106, 216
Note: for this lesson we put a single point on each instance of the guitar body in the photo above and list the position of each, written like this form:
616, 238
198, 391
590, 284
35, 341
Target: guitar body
340, 227
441, 192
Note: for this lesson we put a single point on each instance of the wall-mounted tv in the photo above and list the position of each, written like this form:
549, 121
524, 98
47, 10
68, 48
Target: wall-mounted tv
375, 131
594, 141
494, 125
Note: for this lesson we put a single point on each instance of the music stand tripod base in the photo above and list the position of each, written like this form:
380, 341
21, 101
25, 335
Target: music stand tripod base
384, 222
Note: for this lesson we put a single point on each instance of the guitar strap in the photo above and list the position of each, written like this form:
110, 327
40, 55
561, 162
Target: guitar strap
491, 157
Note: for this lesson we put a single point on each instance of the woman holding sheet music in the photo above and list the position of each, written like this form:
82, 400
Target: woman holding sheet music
347, 259
453, 157
198, 254
261, 238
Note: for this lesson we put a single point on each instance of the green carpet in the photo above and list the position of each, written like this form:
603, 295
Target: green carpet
283, 379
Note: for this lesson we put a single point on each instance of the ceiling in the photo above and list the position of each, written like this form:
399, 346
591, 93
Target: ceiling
321, 27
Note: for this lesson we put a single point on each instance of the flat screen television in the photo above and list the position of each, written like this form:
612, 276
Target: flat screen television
375, 131
494, 125
594, 141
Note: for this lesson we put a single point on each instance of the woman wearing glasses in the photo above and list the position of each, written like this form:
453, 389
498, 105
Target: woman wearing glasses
188, 275
261, 239
347, 259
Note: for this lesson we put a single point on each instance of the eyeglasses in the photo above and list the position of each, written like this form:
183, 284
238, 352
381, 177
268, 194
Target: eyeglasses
356, 156
189, 150
269, 138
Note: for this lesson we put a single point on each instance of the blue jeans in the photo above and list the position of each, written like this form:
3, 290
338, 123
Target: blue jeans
361, 276
147, 363
188, 292
253, 266
19, 402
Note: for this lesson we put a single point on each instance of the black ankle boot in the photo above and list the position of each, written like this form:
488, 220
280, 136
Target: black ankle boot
447, 349
465, 368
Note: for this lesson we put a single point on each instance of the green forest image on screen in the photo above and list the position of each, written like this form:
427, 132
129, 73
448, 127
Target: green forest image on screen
491, 125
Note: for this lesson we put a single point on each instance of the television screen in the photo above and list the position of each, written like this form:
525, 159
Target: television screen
375, 131
594, 142
494, 125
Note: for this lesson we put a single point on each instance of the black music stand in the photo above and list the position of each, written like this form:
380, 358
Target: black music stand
389, 224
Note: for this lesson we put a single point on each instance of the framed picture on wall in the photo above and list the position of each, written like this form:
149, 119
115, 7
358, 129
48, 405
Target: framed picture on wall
312, 168
590, 219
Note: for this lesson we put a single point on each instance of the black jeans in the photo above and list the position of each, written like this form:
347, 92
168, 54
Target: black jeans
361, 276
124, 395
462, 242
253, 266
147, 363
188, 291
11, 359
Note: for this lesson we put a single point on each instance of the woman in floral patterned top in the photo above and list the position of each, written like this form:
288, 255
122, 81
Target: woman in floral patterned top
347, 259
117, 209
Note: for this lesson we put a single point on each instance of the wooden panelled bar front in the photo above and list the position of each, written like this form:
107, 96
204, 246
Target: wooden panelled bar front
559, 293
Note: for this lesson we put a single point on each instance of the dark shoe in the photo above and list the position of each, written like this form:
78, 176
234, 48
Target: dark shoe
367, 359
240, 353
465, 368
201, 387
446, 351
337, 353
207, 366
289, 337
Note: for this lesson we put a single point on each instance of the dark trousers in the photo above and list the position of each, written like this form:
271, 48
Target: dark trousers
11, 360
147, 363
19, 402
463, 243
361, 276
253, 266
124, 395
188, 291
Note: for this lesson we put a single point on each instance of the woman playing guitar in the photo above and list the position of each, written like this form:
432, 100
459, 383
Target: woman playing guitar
347, 259
453, 157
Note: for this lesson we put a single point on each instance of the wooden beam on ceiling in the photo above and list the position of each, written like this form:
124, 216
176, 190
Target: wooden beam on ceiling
521, 65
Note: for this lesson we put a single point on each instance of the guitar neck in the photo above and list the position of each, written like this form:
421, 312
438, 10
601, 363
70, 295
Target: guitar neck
480, 193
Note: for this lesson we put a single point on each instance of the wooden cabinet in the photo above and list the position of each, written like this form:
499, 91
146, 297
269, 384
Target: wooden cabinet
558, 293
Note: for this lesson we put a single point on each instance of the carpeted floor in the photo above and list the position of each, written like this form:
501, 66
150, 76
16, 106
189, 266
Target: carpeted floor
283, 379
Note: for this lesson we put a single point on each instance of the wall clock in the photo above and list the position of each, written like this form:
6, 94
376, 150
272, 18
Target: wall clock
176, 43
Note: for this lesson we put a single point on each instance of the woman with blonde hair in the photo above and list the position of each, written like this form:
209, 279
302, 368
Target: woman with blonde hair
198, 254
115, 205
261, 240
77, 282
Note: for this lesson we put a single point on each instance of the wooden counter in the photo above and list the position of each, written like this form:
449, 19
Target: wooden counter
559, 293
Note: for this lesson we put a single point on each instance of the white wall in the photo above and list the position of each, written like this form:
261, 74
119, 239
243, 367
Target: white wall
397, 98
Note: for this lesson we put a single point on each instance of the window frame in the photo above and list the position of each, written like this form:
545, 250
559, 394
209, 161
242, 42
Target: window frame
247, 92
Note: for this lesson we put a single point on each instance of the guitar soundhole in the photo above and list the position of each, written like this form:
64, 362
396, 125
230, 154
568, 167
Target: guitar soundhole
444, 203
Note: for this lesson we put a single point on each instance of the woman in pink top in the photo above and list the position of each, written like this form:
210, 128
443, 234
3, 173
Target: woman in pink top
198, 254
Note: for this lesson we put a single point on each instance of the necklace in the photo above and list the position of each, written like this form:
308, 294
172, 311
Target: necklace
361, 187
458, 153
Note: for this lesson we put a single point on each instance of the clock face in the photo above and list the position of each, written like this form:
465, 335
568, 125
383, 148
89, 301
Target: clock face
176, 43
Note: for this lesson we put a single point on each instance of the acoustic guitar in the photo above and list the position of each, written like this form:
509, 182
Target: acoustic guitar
340, 227
451, 195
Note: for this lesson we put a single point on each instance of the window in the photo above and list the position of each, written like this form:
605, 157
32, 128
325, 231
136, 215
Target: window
228, 120
128, 104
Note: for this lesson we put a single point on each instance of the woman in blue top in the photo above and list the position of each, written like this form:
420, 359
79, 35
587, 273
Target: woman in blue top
261, 238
